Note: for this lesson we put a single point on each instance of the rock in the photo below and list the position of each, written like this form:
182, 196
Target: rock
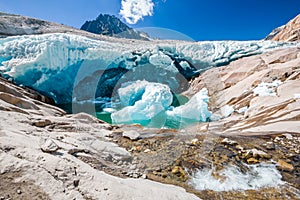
112, 26
256, 154
195, 141
147, 151
135, 175
288, 136
229, 142
42, 123
49, 146
287, 33
178, 171
282, 165
270, 146
132, 167
76, 183
19, 192
133, 135
252, 161
144, 176
277, 139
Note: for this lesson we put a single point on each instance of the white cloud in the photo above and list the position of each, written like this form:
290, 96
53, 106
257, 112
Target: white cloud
134, 10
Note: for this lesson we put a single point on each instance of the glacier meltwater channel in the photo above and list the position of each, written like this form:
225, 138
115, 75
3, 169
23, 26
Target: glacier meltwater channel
133, 81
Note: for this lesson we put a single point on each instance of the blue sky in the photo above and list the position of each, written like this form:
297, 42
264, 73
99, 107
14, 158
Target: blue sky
198, 19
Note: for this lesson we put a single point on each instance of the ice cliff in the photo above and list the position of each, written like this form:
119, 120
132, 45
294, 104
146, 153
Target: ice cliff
52, 63
71, 68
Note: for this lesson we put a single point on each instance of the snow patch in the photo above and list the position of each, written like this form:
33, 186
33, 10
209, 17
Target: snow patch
267, 89
227, 110
242, 110
297, 96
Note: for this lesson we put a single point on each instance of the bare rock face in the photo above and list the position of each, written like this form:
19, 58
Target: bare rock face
262, 90
287, 33
112, 26
46, 154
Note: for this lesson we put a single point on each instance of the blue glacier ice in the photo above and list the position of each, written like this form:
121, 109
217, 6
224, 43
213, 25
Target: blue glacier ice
150, 104
142, 101
196, 110
71, 68
57, 64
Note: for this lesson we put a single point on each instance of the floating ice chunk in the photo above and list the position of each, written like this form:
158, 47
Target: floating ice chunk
259, 176
149, 104
227, 111
267, 89
142, 101
196, 110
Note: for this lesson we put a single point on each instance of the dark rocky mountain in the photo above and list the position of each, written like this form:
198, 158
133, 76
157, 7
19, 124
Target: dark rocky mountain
110, 25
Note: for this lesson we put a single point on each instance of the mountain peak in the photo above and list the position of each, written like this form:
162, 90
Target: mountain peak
111, 25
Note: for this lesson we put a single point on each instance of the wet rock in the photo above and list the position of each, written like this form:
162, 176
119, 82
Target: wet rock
132, 135
49, 146
147, 151
254, 153
226, 141
270, 146
277, 139
288, 136
178, 171
252, 161
282, 165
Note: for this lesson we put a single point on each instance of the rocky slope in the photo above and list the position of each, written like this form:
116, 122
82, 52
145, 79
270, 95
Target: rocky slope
42, 154
287, 33
261, 93
47, 154
112, 26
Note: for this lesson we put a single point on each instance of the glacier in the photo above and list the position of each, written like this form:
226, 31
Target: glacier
73, 69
